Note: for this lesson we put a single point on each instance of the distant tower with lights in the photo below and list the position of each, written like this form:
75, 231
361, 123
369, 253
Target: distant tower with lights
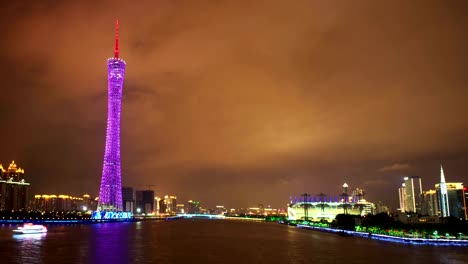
443, 196
110, 194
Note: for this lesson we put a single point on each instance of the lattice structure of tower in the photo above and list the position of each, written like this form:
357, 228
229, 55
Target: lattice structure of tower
110, 193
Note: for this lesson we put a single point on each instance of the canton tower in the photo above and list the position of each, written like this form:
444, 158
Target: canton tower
110, 193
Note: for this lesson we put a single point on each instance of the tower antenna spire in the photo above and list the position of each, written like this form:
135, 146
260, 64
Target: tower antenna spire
116, 49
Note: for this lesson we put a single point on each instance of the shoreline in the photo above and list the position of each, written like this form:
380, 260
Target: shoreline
394, 239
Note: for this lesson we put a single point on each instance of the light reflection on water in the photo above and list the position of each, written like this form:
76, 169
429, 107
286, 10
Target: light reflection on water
207, 241
29, 246
111, 243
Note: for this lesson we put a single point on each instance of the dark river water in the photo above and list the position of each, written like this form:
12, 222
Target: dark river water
208, 241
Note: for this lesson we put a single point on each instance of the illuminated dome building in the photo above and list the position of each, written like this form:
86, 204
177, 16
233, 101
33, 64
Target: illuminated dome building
13, 188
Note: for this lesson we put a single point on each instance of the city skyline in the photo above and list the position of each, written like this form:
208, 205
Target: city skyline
268, 102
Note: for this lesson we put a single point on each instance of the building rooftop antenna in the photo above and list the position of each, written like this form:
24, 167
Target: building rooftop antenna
116, 49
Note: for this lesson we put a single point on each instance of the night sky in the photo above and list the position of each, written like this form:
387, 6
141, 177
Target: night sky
238, 102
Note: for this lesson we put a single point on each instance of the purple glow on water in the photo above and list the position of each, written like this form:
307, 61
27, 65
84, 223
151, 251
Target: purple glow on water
110, 194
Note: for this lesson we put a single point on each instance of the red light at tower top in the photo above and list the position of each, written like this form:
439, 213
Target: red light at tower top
116, 49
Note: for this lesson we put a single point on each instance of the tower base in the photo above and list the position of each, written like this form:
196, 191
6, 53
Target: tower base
111, 215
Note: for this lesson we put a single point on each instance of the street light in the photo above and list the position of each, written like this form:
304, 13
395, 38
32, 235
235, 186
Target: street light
138, 210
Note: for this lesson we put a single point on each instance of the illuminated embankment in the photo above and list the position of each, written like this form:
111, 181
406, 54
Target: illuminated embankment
405, 240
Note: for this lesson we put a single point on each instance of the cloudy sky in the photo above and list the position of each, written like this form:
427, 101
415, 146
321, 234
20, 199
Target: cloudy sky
238, 102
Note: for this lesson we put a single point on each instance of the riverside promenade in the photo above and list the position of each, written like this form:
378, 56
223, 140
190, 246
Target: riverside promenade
404, 240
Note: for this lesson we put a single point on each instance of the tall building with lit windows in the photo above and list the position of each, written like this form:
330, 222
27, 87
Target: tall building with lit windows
410, 194
193, 207
167, 205
145, 201
13, 188
465, 201
443, 196
402, 197
53, 202
128, 199
455, 199
430, 203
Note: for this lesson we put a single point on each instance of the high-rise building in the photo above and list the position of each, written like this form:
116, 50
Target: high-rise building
90, 203
443, 197
110, 193
402, 197
162, 206
145, 201
429, 203
167, 205
412, 194
193, 207
180, 209
128, 199
455, 198
13, 188
465, 201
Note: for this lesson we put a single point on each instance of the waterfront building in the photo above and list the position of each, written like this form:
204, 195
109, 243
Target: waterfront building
110, 193
253, 211
442, 194
13, 188
180, 208
128, 199
162, 206
145, 201
62, 202
167, 205
193, 207
429, 203
220, 210
326, 208
90, 203
271, 211
159, 204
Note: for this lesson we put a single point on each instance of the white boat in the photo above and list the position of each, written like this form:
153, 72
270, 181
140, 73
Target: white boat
31, 229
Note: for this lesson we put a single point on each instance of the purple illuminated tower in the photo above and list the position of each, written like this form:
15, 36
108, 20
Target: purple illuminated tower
110, 194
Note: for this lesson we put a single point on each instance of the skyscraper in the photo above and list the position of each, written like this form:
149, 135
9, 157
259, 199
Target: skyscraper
455, 198
128, 199
410, 192
110, 194
429, 203
401, 196
145, 201
443, 197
